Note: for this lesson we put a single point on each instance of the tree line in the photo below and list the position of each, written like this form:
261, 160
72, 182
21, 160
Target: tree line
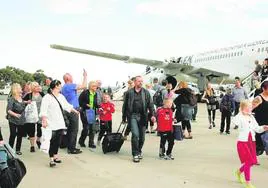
15, 75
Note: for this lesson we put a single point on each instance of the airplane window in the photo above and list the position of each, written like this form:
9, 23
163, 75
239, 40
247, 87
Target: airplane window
262, 49
259, 49
229, 55
235, 54
241, 53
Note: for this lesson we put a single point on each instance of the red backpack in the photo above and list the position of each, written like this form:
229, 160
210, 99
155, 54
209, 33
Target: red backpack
164, 119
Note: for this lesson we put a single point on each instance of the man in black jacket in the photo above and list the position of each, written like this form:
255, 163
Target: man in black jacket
137, 102
88, 100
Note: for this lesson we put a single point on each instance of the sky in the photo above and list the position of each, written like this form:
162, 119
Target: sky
155, 29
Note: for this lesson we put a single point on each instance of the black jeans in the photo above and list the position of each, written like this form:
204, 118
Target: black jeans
55, 143
225, 115
86, 131
138, 134
213, 116
166, 137
16, 131
72, 130
39, 130
237, 106
186, 124
105, 128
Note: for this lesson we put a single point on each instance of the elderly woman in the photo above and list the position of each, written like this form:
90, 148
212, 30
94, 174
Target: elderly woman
15, 115
51, 112
88, 99
34, 96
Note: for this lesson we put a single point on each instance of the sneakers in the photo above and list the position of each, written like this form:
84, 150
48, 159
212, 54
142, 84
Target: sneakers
210, 127
227, 132
52, 164
249, 185
147, 131
136, 159
18, 153
236, 127
140, 156
169, 157
213, 123
238, 176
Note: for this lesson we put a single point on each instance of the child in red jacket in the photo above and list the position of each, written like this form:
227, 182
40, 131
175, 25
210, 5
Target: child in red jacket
165, 129
105, 111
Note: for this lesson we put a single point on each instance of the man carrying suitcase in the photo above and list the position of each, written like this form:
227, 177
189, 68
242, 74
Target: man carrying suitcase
137, 102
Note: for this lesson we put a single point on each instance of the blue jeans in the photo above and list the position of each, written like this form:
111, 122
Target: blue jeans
138, 134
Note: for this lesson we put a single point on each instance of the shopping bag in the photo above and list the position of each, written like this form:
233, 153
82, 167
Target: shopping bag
91, 116
31, 113
45, 139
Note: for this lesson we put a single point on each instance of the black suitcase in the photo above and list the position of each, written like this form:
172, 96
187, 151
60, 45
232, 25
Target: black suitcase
113, 141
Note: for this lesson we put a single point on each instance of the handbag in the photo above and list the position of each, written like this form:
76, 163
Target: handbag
91, 116
31, 113
64, 113
177, 131
12, 175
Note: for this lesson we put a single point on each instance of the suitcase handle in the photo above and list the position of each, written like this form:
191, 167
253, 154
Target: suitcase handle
120, 127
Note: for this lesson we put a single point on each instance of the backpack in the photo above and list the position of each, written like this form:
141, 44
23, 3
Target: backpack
192, 99
158, 98
226, 104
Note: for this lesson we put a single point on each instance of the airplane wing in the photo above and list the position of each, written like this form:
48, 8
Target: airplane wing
126, 59
182, 65
197, 71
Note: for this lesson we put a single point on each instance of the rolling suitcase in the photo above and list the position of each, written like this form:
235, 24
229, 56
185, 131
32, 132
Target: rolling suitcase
113, 141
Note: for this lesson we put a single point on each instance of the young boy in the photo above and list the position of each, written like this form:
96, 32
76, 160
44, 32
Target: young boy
105, 111
227, 106
165, 129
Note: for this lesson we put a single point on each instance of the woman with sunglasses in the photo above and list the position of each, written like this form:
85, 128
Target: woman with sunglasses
51, 112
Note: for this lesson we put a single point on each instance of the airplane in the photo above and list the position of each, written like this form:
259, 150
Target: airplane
224, 63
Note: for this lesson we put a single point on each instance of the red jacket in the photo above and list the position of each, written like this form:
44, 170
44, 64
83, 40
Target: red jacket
164, 119
105, 111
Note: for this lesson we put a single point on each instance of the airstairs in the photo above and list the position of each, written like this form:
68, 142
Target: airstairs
248, 85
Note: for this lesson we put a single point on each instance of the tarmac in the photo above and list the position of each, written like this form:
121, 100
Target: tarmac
206, 161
